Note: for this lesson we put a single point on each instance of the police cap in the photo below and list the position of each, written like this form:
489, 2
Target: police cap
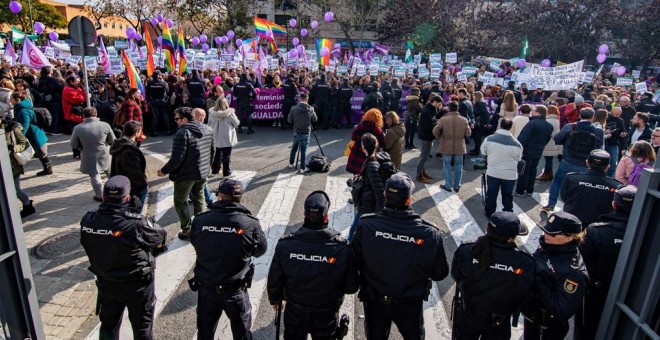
400, 186
562, 222
599, 158
625, 196
117, 187
317, 205
506, 224
230, 187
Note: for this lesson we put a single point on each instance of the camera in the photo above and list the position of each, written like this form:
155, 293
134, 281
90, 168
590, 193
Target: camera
481, 165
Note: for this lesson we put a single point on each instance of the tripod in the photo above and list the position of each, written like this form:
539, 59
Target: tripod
317, 143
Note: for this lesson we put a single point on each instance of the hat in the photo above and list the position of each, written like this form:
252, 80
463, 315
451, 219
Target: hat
317, 205
648, 94
156, 73
506, 224
624, 197
578, 99
562, 222
117, 187
399, 185
230, 187
599, 158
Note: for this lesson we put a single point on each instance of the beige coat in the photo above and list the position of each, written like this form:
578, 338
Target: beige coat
394, 143
451, 131
552, 149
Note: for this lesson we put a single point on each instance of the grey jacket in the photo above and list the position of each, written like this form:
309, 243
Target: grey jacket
192, 153
302, 116
94, 137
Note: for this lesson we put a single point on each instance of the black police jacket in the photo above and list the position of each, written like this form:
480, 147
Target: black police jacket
225, 238
601, 248
345, 94
499, 289
395, 102
427, 122
312, 268
157, 90
593, 188
320, 93
561, 282
118, 243
244, 93
290, 90
196, 88
397, 253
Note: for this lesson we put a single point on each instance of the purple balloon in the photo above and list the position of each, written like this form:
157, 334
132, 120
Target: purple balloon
601, 58
203, 38
521, 63
337, 45
137, 37
500, 73
458, 68
603, 49
230, 34
159, 17
329, 16
314, 24
53, 36
324, 51
621, 70
154, 22
303, 32
39, 27
15, 7
130, 33
224, 39
217, 40
292, 22
205, 47
239, 42
194, 41
293, 53
160, 40
300, 49
169, 23
546, 63
295, 41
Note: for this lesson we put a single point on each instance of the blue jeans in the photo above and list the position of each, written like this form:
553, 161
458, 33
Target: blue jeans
613, 150
142, 195
563, 169
496, 185
301, 140
356, 221
458, 170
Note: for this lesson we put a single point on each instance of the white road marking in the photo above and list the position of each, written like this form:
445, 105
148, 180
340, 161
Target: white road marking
542, 198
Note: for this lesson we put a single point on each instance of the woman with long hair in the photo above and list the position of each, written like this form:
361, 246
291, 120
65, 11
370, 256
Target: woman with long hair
24, 114
17, 143
372, 198
372, 122
551, 150
641, 152
394, 138
133, 108
481, 117
509, 107
223, 121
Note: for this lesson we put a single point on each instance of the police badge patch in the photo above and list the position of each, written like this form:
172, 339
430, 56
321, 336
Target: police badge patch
570, 286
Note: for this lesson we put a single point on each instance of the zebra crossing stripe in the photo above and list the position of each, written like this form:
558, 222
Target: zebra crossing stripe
543, 197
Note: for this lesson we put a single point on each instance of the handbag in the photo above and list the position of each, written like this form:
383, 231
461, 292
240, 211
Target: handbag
521, 167
26, 155
349, 146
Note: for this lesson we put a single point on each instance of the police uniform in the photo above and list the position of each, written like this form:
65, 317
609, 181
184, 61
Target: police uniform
395, 282
587, 195
600, 251
225, 239
561, 282
312, 269
491, 293
320, 97
290, 94
197, 91
244, 93
344, 103
119, 246
157, 98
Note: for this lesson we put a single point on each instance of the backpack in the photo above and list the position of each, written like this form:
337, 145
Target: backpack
43, 117
581, 143
636, 174
319, 163
386, 168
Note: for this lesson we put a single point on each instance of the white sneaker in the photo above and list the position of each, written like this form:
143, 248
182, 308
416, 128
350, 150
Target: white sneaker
302, 171
291, 166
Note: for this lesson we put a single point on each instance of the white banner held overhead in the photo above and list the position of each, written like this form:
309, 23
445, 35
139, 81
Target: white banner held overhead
564, 77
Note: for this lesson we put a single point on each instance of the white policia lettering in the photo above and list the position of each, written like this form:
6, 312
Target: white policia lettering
595, 186
402, 238
618, 240
105, 232
497, 266
227, 230
312, 258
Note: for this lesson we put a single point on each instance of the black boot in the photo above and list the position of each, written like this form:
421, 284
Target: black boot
48, 170
28, 210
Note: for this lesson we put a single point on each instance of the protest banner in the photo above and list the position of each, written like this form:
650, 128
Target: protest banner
90, 63
116, 65
636, 74
399, 72
361, 71
435, 58
451, 58
469, 70
49, 52
564, 77
641, 87
624, 81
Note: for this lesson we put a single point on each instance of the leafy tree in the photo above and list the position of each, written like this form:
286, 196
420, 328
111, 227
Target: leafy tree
44, 13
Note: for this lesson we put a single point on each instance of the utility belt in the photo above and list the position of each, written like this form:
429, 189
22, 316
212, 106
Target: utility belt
341, 329
332, 310
244, 283
495, 319
146, 275
387, 300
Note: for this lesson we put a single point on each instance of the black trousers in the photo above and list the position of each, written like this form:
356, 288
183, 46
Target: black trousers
527, 180
160, 111
286, 108
211, 304
475, 326
555, 332
407, 317
244, 113
222, 157
411, 128
140, 299
478, 136
324, 113
344, 110
300, 321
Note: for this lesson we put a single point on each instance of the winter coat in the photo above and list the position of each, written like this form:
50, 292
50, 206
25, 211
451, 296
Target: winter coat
481, 114
552, 149
192, 153
17, 143
224, 125
72, 97
571, 113
94, 137
394, 143
534, 137
357, 156
426, 122
372, 199
624, 169
508, 114
128, 160
413, 107
24, 115
519, 123
6, 111
451, 130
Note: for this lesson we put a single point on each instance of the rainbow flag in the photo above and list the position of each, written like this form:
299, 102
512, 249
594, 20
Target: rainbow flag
273, 46
131, 73
320, 43
181, 50
262, 26
168, 46
150, 51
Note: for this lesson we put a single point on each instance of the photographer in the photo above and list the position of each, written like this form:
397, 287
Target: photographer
615, 130
503, 152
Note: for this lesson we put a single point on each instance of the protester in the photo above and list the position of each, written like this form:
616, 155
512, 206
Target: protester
51, 90
521, 120
534, 136
481, 116
413, 109
223, 122
6, 90
17, 143
372, 122
551, 149
371, 199
641, 153
509, 107
73, 98
24, 114
639, 130
614, 130
301, 117
451, 131
127, 160
394, 138
427, 123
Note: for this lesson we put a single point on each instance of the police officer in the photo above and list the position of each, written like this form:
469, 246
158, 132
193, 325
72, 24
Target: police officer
494, 277
315, 267
244, 93
561, 279
397, 92
600, 250
395, 282
157, 98
290, 94
197, 91
587, 195
225, 239
320, 96
345, 94
386, 91
119, 245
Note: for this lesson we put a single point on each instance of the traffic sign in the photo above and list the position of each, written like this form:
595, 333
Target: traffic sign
82, 30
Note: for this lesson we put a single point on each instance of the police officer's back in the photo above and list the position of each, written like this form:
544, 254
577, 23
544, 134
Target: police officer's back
398, 255
244, 93
157, 90
197, 90
320, 98
600, 250
119, 245
290, 94
561, 279
587, 195
494, 277
397, 92
225, 239
312, 269
344, 103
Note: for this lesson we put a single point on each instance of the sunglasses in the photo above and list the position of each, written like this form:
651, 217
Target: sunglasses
176, 119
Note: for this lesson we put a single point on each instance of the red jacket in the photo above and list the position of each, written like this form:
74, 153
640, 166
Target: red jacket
570, 113
72, 97
131, 110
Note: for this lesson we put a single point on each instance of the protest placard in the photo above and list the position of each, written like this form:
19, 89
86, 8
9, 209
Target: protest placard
556, 78
588, 77
435, 58
636, 74
641, 87
451, 58
424, 73
49, 52
399, 72
342, 69
373, 69
494, 65
624, 81
417, 59
361, 70
198, 62
116, 65
462, 77
121, 44
469, 70
435, 73
90, 63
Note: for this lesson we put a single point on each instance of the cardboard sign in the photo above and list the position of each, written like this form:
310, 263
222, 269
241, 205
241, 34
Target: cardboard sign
435, 73
469, 70
624, 81
90, 63
342, 69
435, 58
121, 44
424, 73
417, 58
116, 65
373, 69
588, 77
49, 52
451, 58
273, 64
462, 77
361, 70
198, 62
636, 74
641, 87
399, 72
